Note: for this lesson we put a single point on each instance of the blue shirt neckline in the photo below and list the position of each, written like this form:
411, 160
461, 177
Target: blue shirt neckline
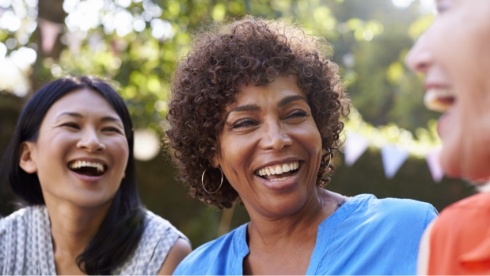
325, 229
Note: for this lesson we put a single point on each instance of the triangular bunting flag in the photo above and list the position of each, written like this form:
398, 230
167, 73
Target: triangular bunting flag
435, 165
393, 157
49, 34
354, 147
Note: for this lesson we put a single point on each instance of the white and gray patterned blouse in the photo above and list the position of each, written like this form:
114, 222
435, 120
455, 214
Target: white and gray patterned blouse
26, 247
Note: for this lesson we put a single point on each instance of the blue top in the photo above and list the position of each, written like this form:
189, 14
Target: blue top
365, 235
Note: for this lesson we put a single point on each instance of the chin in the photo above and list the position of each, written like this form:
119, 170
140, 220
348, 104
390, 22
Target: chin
93, 202
482, 183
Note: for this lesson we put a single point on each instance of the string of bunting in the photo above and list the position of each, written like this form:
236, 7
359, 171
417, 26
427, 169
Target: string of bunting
395, 144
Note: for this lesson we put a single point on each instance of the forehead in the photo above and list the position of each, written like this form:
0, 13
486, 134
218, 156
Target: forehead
83, 101
281, 86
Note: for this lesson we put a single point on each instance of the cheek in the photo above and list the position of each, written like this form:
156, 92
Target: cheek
120, 151
235, 155
232, 158
313, 137
233, 148
125, 155
441, 45
314, 141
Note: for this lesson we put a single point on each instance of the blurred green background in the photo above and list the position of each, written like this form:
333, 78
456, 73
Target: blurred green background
136, 44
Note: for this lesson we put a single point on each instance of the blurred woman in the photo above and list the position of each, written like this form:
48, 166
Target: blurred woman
455, 60
255, 118
70, 160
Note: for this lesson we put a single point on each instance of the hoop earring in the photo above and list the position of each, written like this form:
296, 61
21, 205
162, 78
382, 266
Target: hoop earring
204, 187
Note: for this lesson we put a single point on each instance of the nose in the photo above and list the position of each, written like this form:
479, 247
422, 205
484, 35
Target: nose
275, 136
419, 58
90, 141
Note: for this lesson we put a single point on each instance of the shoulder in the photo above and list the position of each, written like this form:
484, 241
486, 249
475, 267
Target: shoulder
15, 217
404, 215
177, 253
397, 207
10, 227
21, 218
214, 255
461, 233
155, 224
158, 241
469, 210
214, 248
479, 202
15, 230
159, 234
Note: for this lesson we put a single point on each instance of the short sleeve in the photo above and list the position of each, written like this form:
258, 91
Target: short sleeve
158, 238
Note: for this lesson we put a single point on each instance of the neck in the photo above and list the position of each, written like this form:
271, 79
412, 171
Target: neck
300, 226
285, 245
72, 228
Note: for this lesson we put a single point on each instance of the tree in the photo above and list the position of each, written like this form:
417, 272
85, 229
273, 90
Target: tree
137, 43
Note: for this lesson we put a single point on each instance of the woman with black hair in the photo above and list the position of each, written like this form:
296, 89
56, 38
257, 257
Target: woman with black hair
70, 160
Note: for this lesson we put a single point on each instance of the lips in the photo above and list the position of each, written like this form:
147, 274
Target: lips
439, 99
88, 168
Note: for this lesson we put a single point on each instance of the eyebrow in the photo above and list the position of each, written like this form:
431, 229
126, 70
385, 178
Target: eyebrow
252, 107
78, 115
290, 99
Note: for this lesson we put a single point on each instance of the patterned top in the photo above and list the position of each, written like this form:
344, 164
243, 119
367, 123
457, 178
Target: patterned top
26, 246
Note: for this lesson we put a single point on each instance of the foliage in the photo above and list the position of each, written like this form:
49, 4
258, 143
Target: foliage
137, 43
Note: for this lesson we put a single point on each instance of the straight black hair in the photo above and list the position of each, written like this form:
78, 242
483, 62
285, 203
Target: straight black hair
122, 228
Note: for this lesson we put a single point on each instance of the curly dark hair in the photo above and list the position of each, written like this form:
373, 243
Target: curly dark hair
250, 50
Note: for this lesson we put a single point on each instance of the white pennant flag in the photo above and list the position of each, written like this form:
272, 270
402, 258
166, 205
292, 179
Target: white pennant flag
393, 157
435, 165
49, 33
354, 147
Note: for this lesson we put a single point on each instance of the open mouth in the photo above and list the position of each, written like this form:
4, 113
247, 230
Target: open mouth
437, 99
278, 171
87, 168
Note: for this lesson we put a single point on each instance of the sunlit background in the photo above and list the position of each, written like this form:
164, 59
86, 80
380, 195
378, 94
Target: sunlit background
390, 146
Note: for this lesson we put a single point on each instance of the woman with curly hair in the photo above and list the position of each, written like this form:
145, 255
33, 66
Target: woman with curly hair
255, 118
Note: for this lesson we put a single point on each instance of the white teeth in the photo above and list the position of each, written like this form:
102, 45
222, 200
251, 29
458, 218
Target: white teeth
81, 164
278, 169
438, 99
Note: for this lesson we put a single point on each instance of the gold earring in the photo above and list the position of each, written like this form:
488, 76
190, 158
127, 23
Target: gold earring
204, 187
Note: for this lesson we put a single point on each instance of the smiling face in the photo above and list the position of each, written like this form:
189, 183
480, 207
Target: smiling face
270, 148
81, 151
455, 58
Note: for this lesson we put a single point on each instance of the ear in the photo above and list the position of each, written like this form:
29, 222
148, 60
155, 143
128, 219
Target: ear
215, 161
26, 162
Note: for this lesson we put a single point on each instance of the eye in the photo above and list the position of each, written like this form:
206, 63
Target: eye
443, 5
112, 129
298, 114
70, 125
242, 123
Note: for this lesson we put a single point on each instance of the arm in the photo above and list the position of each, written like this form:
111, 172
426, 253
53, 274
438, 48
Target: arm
424, 252
179, 250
